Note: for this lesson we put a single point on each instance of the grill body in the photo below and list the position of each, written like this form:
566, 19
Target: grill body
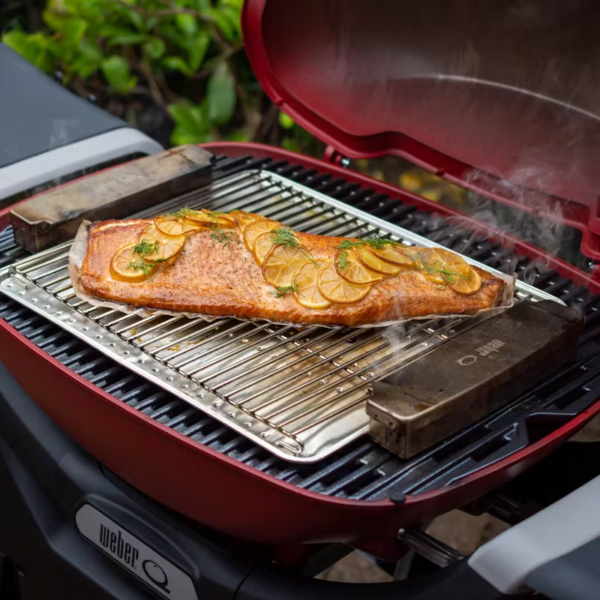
244, 497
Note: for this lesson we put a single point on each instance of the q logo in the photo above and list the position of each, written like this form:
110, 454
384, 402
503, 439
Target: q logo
465, 361
156, 575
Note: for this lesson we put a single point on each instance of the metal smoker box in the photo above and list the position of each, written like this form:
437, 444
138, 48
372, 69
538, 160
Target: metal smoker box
471, 375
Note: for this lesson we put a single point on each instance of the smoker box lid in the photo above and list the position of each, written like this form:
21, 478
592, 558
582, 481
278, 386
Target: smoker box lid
501, 97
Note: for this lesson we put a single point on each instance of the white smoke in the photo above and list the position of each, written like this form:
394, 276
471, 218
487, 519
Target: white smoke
534, 217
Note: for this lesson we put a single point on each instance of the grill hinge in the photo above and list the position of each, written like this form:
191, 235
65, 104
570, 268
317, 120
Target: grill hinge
332, 156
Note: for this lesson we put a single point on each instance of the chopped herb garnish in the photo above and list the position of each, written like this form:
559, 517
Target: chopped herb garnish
373, 242
220, 236
286, 237
143, 250
347, 244
142, 265
183, 212
146, 248
441, 268
283, 290
213, 214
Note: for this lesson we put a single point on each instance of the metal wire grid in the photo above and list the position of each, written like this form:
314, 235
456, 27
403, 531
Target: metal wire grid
298, 390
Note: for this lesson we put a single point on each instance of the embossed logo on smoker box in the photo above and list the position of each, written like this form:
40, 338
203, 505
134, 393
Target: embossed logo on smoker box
490, 347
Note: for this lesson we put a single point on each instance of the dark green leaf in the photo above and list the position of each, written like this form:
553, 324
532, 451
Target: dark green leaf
228, 20
110, 29
71, 28
192, 125
74, 31
92, 11
134, 17
55, 20
237, 136
186, 24
223, 22
155, 47
291, 145
190, 116
88, 59
198, 48
127, 39
221, 95
176, 63
285, 121
36, 48
201, 5
116, 71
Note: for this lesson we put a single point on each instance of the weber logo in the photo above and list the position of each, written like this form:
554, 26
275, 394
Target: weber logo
156, 571
113, 542
490, 347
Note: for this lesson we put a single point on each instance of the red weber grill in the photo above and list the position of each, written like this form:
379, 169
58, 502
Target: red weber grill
170, 469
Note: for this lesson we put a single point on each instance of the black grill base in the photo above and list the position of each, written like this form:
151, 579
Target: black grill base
362, 470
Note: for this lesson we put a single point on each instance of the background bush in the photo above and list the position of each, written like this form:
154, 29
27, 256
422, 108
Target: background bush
177, 70
174, 68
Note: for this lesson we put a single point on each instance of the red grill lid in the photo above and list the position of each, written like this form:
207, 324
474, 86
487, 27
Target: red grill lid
502, 96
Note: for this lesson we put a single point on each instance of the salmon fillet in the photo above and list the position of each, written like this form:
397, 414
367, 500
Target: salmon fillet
225, 281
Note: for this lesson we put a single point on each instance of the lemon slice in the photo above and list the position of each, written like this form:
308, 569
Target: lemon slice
257, 228
243, 218
126, 265
210, 218
373, 262
173, 226
392, 253
280, 264
458, 273
264, 242
306, 286
431, 264
351, 269
337, 289
153, 245
466, 280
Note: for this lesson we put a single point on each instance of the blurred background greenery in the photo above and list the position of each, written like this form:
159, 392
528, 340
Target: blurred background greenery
177, 70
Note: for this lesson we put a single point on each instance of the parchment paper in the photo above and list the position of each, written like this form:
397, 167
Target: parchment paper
79, 249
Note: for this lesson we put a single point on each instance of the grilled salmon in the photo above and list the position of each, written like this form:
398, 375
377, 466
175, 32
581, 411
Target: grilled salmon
217, 275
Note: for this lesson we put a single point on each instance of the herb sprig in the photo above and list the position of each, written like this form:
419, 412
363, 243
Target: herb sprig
440, 267
343, 260
183, 212
286, 237
220, 236
281, 291
346, 245
143, 250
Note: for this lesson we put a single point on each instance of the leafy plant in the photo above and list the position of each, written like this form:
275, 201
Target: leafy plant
144, 47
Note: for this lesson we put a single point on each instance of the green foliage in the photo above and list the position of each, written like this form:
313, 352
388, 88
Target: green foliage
192, 122
117, 73
221, 95
286, 121
184, 56
128, 46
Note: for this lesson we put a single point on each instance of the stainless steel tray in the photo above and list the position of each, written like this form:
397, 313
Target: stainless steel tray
298, 392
